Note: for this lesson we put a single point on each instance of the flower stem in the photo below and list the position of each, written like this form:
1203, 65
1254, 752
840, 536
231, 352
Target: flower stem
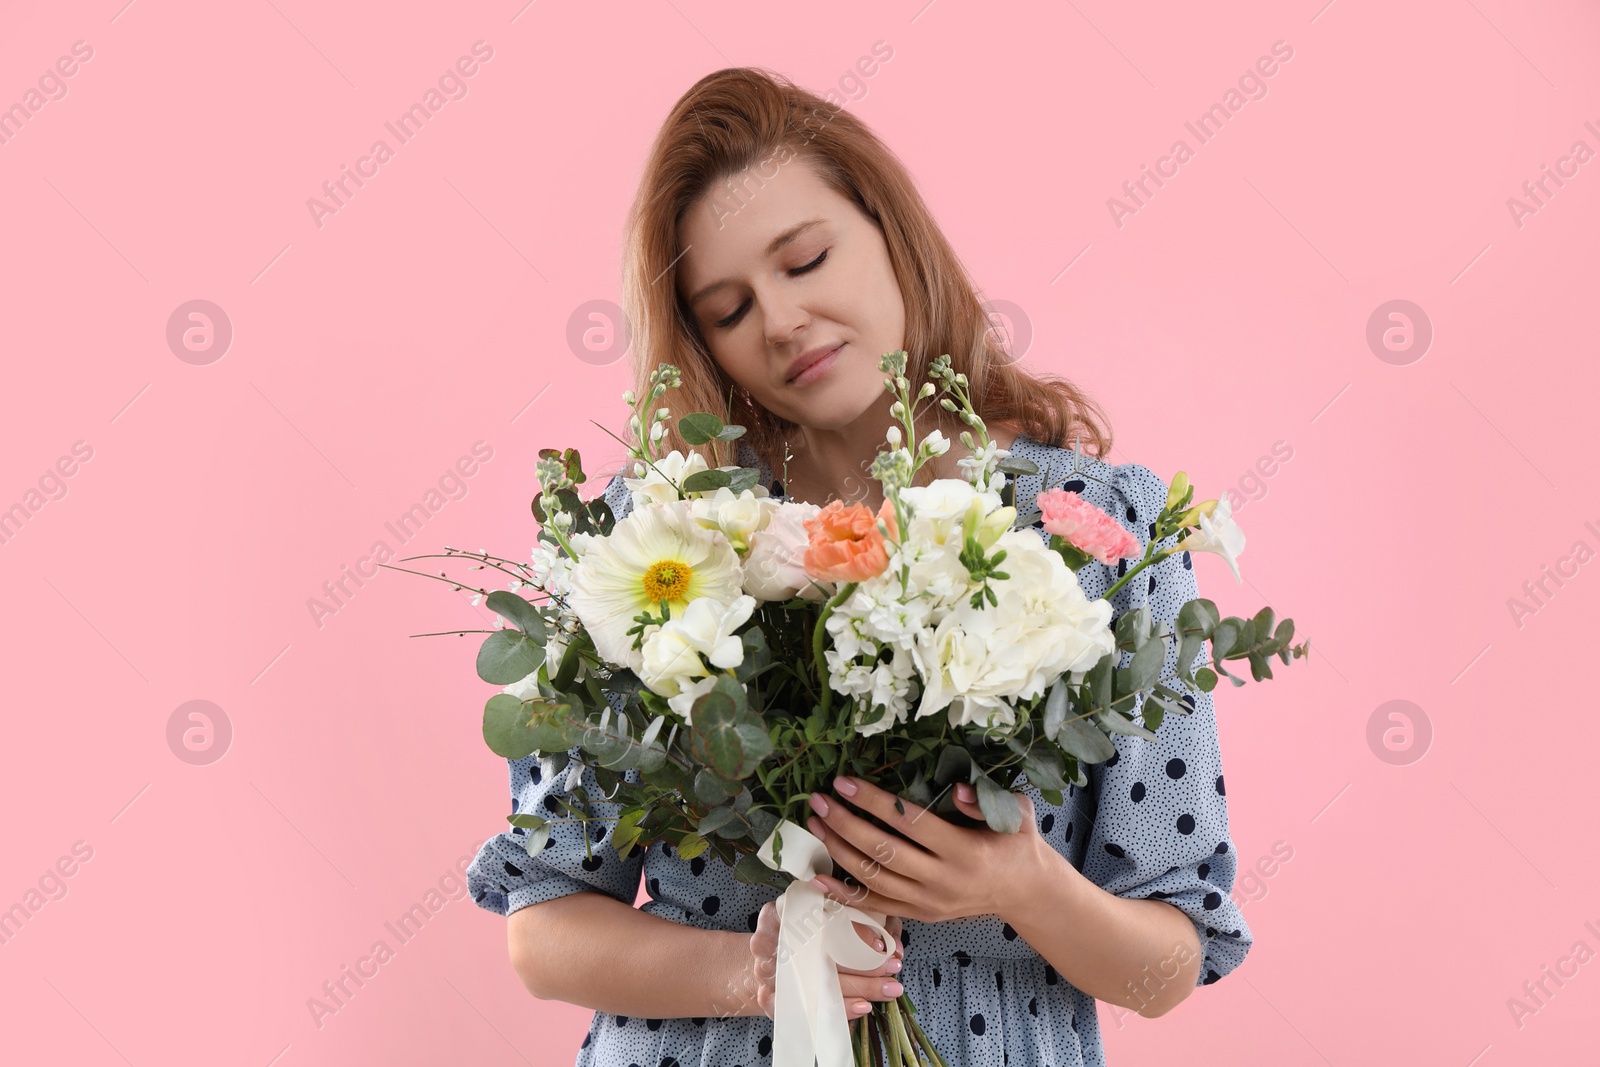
817, 636
922, 1038
905, 1053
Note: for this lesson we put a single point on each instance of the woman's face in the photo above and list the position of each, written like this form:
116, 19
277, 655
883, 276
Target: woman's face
795, 268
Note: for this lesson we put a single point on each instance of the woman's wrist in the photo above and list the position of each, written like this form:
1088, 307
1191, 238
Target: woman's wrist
736, 995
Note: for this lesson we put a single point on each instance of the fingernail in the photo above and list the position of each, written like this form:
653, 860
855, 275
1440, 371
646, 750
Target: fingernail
818, 829
819, 804
893, 989
820, 885
859, 1008
845, 786
894, 966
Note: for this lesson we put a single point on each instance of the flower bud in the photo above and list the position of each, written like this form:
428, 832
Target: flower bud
1180, 485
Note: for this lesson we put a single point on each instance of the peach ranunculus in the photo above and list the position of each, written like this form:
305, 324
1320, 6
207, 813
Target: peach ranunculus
1085, 526
845, 545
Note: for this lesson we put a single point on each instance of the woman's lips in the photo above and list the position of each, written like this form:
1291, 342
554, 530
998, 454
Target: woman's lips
817, 369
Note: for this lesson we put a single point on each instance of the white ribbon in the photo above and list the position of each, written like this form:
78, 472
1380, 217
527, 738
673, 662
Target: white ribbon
816, 936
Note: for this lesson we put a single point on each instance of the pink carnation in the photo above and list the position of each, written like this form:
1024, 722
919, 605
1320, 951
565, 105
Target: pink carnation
1086, 527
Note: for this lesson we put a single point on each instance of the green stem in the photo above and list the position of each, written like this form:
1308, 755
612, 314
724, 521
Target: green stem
922, 1038
817, 636
905, 1052
862, 1050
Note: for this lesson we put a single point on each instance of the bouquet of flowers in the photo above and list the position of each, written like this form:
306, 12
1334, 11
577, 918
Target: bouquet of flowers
943, 641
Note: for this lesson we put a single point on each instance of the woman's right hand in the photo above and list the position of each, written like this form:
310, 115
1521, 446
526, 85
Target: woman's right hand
860, 988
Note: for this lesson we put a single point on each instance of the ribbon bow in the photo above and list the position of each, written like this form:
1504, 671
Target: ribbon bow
815, 937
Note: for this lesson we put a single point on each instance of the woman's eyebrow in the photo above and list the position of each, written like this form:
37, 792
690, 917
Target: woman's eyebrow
772, 249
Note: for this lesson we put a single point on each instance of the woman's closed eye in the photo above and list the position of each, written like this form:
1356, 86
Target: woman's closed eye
738, 312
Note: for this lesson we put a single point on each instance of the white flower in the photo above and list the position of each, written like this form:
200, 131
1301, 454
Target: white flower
656, 553
774, 566
672, 663
660, 482
708, 627
737, 517
979, 661
1218, 533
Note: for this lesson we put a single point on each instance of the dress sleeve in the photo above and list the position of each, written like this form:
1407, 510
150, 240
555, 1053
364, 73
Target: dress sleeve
504, 878
1161, 822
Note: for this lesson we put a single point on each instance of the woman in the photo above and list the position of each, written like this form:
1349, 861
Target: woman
776, 250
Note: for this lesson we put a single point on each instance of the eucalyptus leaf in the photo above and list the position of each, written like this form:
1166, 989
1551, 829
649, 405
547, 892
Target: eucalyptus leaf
954, 763
536, 840
1056, 706
526, 821
707, 481
700, 427
1117, 723
1000, 807
1146, 666
718, 819
505, 727
1084, 741
522, 614
711, 788
508, 656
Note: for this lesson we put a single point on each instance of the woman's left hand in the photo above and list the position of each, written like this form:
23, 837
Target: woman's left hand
929, 869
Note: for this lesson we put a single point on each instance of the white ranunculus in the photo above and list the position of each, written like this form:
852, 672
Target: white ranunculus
1218, 533
674, 655
738, 518
660, 482
774, 567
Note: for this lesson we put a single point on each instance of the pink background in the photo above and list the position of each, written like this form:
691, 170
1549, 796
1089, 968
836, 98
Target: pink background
1227, 315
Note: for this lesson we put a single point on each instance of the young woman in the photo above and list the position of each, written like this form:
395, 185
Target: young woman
776, 250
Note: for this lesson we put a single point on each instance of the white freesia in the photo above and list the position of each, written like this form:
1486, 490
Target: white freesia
659, 482
774, 568
738, 517
656, 553
1218, 533
675, 654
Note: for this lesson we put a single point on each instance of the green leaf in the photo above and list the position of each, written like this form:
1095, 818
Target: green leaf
999, 806
1084, 741
756, 654
1052, 796
1056, 706
526, 821
1284, 636
725, 734
522, 614
1044, 767
1206, 679
1146, 665
536, 840
691, 847
627, 832
954, 763
1199, 613
712, 788
1017, 465
505, 727
1133, 629
751, 870
699, 427
508, 656
1117, 723
707, 481
744, 478
724, 822
1260, 667
1262, 624
1223, 639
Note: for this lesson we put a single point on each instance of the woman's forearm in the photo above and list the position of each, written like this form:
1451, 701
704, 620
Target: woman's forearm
593, 950
1141, 954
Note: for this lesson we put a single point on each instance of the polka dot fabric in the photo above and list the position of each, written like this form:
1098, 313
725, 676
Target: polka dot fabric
1152, 823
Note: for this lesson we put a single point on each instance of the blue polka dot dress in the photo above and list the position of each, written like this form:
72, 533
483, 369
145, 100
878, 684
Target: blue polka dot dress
1151, 823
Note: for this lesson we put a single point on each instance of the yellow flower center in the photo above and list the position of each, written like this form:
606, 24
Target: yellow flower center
667, 579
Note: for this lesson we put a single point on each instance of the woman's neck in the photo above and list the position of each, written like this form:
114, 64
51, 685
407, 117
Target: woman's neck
847, 477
